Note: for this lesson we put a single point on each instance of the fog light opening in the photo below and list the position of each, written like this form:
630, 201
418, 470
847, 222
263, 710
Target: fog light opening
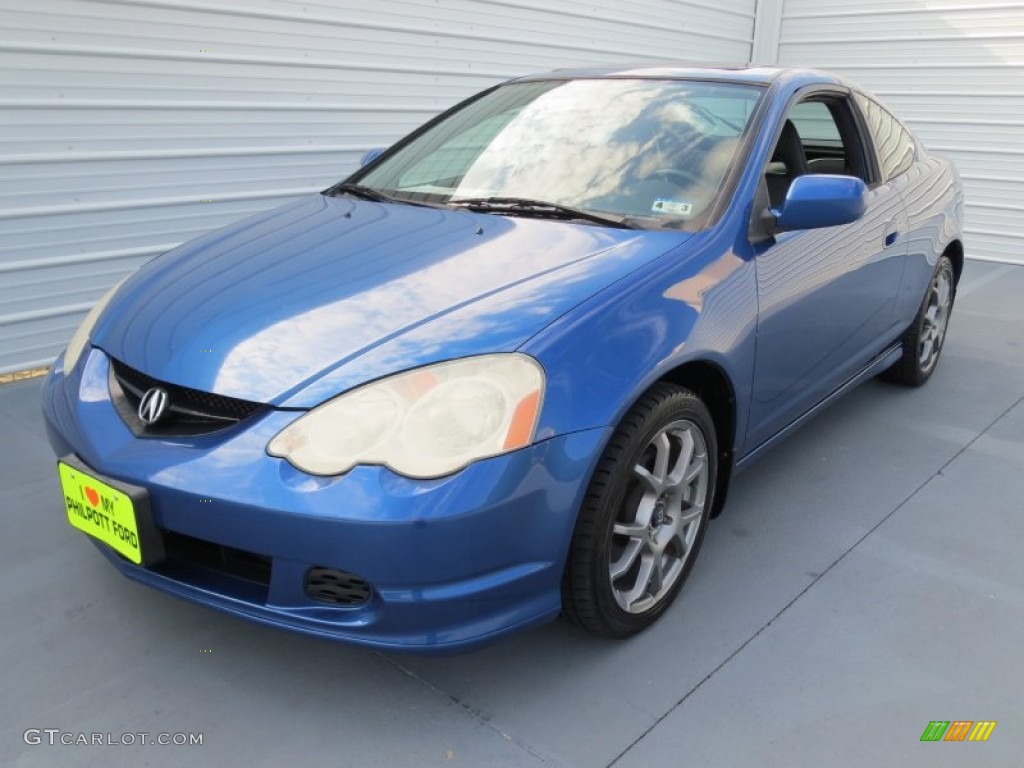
331, 585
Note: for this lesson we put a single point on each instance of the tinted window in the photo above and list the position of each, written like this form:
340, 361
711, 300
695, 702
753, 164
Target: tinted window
651, 148
894, 144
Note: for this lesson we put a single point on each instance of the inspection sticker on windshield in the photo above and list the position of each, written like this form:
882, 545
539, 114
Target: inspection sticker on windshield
676, 207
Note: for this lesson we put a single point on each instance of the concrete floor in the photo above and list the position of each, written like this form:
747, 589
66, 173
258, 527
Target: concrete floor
865, 578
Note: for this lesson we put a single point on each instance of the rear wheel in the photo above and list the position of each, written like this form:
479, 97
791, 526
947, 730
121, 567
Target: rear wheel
922, 342
644, 517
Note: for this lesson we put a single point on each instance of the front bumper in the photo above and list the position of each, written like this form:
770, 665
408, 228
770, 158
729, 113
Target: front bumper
452, 562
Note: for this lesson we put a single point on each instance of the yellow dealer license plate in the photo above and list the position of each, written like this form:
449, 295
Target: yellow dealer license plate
103, 512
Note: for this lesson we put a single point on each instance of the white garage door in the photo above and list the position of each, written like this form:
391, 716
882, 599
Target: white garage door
954, 70
129, 126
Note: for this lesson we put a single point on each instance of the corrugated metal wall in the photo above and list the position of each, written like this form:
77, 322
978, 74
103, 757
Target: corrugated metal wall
954, 70
129, 126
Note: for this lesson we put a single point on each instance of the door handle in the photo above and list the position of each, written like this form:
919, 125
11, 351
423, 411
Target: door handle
892, 232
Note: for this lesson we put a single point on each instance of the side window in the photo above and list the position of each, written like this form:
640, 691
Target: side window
893, 143
818, 135
815, 123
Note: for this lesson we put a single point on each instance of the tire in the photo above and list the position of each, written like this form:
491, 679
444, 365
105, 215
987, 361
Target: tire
648, 504
923, 340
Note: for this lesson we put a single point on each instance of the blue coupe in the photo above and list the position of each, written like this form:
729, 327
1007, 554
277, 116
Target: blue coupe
506, 369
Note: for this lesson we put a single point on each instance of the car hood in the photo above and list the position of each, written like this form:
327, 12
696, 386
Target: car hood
293, 306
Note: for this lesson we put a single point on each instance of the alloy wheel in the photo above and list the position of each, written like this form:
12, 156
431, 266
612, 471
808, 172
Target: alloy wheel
935, 319
663, 508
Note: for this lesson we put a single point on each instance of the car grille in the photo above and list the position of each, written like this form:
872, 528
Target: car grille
189, 411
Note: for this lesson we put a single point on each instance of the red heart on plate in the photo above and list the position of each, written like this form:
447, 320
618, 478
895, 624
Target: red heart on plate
92, 496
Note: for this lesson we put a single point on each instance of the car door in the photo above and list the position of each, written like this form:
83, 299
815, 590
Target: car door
826, 297
895, 152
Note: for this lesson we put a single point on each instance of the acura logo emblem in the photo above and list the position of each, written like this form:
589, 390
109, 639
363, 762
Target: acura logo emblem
152, 405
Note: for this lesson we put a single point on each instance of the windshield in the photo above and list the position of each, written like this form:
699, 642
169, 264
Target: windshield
657, 149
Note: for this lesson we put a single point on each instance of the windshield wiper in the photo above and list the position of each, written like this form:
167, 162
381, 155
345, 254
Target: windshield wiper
366, 193
525, 205
375, 195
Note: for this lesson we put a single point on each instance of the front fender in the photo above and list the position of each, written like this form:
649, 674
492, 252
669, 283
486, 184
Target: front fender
696, 304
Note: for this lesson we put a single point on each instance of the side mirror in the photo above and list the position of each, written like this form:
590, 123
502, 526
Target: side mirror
370, 156
821, 200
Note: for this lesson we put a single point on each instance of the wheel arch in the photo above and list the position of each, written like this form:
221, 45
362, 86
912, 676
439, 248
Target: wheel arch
955, 251
712, 385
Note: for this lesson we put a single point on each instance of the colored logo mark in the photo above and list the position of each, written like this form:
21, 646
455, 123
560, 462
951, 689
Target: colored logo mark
958, 730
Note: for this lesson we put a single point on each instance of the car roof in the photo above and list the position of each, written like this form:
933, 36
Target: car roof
739, 73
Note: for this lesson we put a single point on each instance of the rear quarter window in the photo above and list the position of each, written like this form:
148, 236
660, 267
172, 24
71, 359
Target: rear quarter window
893, 143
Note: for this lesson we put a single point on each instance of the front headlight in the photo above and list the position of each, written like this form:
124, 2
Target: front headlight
78, 341
423, 423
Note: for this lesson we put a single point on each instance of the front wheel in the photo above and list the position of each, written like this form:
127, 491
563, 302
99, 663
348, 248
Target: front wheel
922, 343
644, 516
